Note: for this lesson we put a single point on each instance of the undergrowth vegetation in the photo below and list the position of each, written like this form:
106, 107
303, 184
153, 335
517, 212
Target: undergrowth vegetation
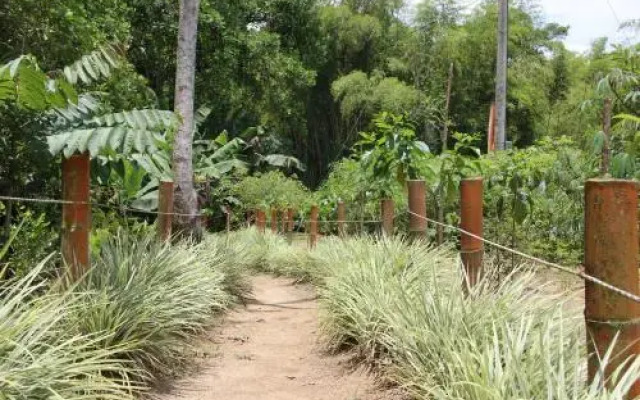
129, 322
402, 307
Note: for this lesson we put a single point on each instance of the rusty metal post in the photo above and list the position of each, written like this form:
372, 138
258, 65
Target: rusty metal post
165, 210
342, 216
417, 209
387, 211
274, 220
290, 218
313, 227
250, 215
611, 254
261, 220
471, 220
76, 215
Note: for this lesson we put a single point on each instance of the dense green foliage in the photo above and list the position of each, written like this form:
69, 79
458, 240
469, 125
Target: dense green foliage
346, 97
289, 77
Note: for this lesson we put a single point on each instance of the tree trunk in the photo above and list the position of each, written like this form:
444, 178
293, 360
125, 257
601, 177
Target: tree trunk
185, 199
444, 137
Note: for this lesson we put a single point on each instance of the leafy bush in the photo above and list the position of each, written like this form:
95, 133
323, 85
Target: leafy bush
534, 199
271, 189
33, 240
107, 224
348, 181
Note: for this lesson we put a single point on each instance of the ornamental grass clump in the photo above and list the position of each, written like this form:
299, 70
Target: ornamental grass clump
232, 262
403, 307
41, 359
151, 300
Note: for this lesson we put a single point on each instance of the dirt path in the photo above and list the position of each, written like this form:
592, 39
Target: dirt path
269, 351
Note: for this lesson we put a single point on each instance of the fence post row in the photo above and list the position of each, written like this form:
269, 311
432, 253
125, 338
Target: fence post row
313, 227
387, 211
76, 215
471, 220
165, 209
611, 254
417, 209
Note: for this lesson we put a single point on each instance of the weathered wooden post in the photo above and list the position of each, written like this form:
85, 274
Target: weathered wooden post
261, 220
274, 220
471, 220
250, 217
290, 218
313, 227
342, 216
76, 214
611, 254
165, 211
387, 211
417, 209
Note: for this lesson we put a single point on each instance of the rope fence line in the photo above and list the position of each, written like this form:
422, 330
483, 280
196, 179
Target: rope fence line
373, 221
83, 203
537, 260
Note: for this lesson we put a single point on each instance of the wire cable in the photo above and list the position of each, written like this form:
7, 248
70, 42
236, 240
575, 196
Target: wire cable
537, 260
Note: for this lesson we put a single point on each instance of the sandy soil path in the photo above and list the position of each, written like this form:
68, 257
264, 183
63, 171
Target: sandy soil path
269, 351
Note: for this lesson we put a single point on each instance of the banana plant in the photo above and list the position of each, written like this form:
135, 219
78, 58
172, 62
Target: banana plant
259, 144
212, 159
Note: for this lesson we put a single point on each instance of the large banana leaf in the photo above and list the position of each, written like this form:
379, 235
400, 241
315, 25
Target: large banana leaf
283, 161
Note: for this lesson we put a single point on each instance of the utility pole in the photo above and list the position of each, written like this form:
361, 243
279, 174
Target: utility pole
501, 74
444, 136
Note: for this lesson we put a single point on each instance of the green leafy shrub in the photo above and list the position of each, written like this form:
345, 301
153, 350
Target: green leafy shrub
107, 224
534, 199
33, 240
271, 189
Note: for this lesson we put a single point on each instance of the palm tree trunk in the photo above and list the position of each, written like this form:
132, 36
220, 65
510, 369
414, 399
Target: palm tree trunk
185, 199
